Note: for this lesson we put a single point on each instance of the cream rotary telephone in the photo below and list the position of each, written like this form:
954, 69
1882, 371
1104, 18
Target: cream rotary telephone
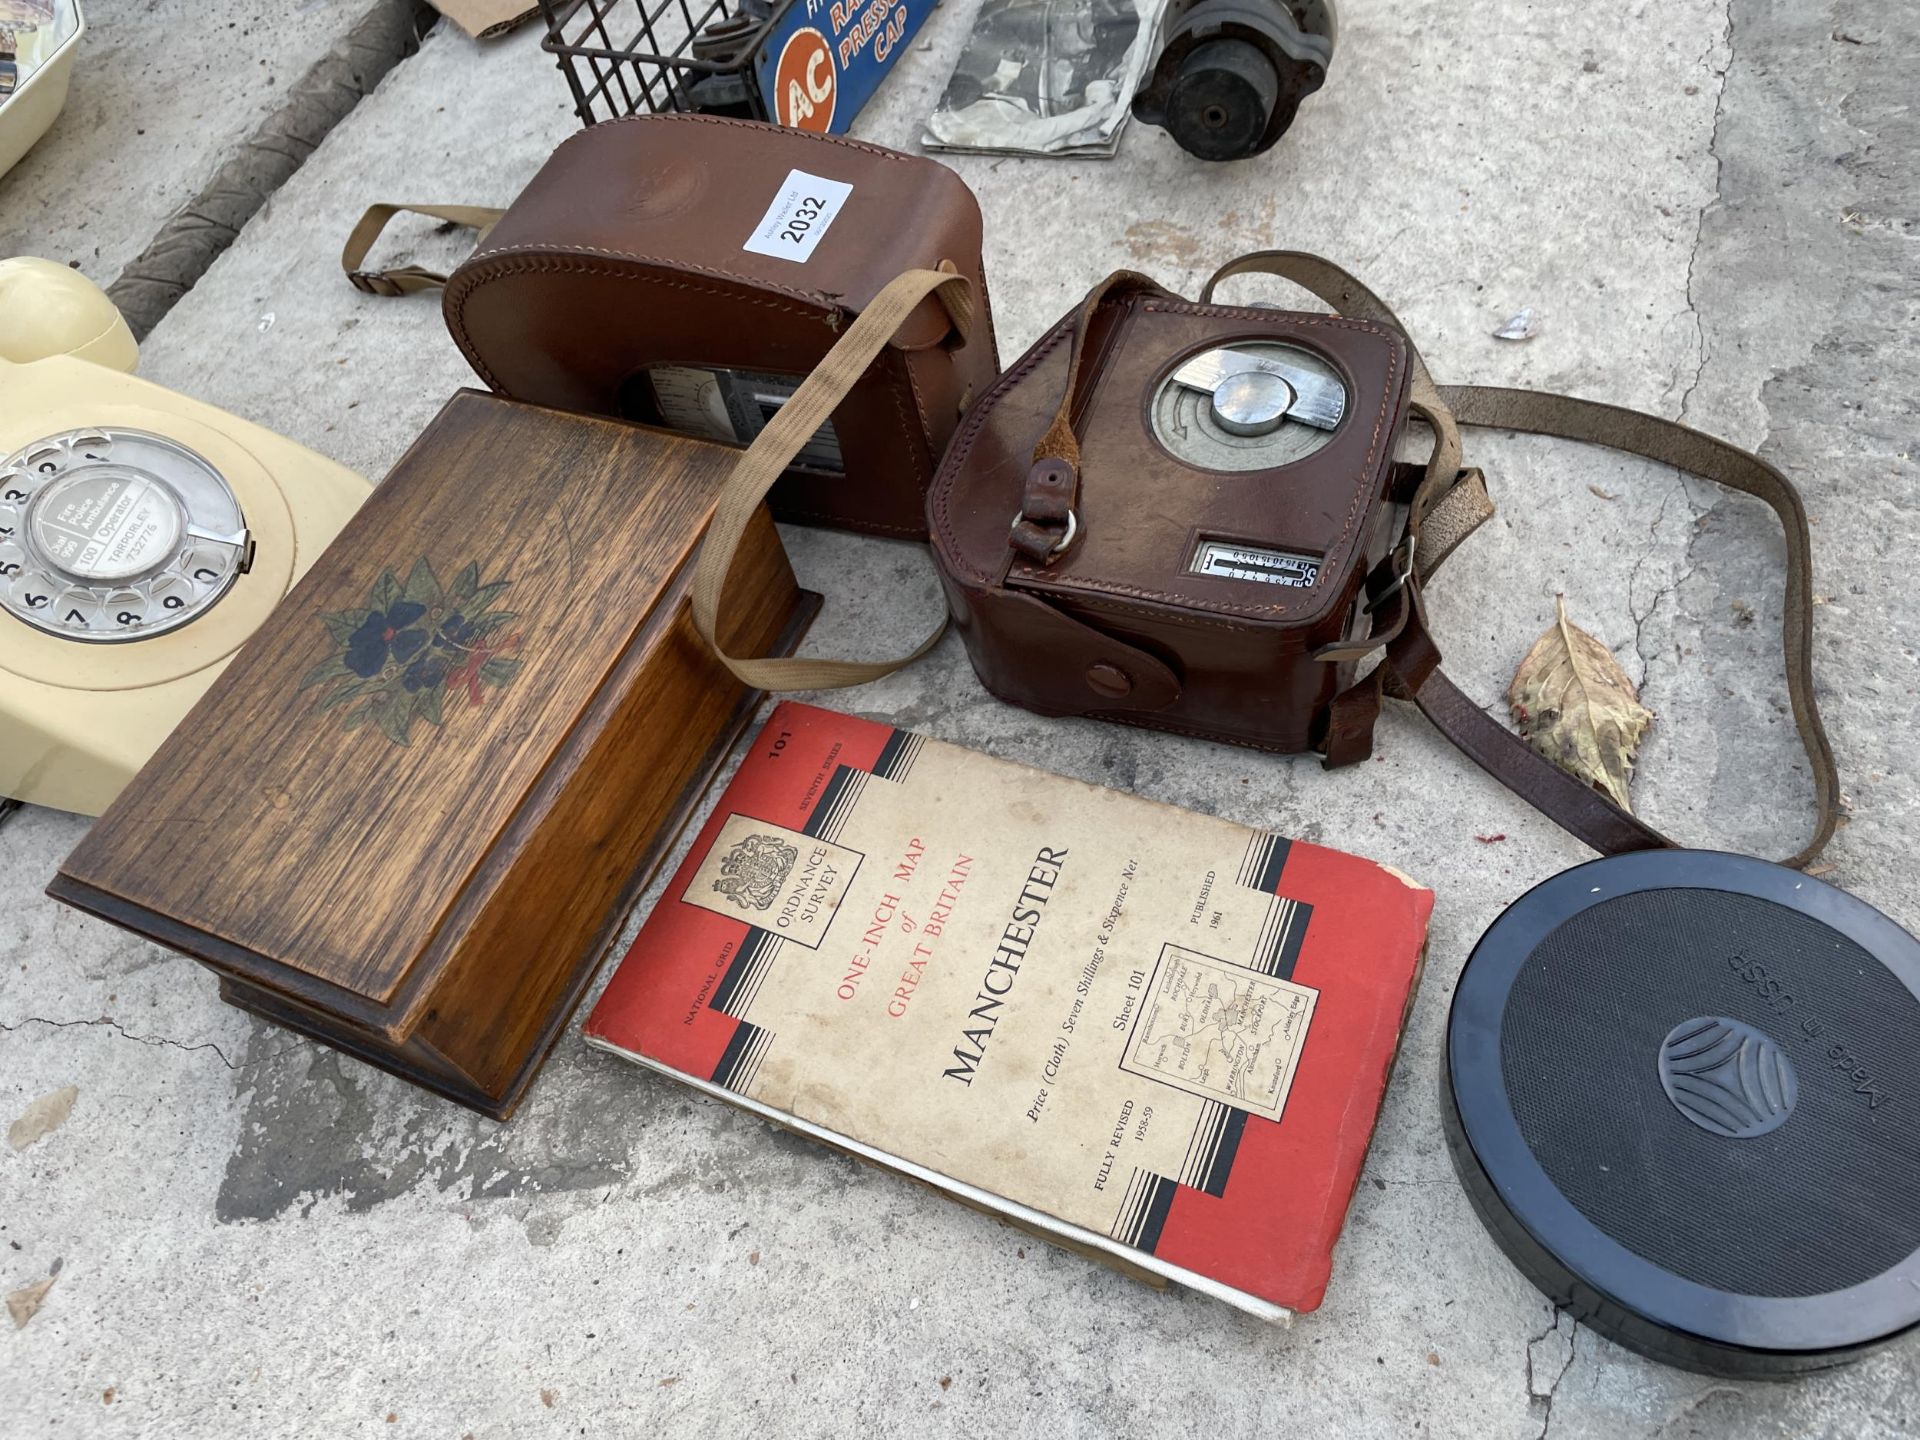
143, 537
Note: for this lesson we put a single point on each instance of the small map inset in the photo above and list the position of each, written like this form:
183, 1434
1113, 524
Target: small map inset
1220, 1031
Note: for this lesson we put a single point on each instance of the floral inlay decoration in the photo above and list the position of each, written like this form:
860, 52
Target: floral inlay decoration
417, 650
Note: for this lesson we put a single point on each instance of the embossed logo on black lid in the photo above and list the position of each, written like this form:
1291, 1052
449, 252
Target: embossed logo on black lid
1727, 1077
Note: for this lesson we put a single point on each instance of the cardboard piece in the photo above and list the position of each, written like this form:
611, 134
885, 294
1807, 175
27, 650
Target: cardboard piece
483, 19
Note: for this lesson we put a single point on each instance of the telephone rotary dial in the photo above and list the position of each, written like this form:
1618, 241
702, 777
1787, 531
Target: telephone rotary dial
143, 537
112, 535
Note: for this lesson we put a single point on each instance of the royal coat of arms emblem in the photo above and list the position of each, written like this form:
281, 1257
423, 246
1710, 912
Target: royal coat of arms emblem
754, 870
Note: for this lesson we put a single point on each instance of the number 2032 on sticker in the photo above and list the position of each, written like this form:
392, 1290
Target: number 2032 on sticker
802, 209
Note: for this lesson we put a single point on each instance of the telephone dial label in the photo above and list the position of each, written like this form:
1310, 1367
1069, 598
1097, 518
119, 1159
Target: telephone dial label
106, 525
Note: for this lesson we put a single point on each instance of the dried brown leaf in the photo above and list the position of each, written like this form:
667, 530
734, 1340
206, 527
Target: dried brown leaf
1576, 706
24, 1302
42, 1117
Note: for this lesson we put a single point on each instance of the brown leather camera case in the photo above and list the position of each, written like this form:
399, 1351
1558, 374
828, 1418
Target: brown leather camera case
1069, 538
626, 251
1116, 626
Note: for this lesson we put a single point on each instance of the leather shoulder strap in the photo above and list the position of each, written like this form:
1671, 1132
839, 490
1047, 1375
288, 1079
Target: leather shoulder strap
1047, 526
1410, 668
1563, 416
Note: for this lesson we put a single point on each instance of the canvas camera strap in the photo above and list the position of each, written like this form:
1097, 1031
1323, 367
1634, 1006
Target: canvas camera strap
805, 411
406, 279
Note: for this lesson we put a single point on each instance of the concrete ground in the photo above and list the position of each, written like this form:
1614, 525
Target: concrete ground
1711, 206
162, 93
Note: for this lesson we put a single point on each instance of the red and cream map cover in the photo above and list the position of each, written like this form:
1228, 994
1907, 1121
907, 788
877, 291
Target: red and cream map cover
1131, 1028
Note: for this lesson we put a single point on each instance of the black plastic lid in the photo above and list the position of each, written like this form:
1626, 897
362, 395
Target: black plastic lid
1683, 1091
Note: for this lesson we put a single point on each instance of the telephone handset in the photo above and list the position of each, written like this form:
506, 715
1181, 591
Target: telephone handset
143, 537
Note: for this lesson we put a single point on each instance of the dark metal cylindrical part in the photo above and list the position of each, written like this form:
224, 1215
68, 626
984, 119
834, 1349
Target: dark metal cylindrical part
1220, 103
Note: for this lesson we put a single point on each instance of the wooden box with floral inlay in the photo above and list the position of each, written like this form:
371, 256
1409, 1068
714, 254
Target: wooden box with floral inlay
410, 817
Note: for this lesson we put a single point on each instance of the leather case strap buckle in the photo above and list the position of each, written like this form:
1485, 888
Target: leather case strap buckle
374, 282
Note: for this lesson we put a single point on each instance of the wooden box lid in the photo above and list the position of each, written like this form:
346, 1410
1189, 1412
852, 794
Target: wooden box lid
317, 822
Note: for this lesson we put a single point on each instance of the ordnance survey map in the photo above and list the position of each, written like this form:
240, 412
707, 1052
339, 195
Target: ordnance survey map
1155, 1035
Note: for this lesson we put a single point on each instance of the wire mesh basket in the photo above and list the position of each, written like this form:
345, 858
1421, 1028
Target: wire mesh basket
628, 57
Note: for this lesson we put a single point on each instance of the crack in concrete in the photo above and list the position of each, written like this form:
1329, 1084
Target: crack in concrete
1546, 1397
1640, 617
109, 1022
1713, 203
1689, 564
